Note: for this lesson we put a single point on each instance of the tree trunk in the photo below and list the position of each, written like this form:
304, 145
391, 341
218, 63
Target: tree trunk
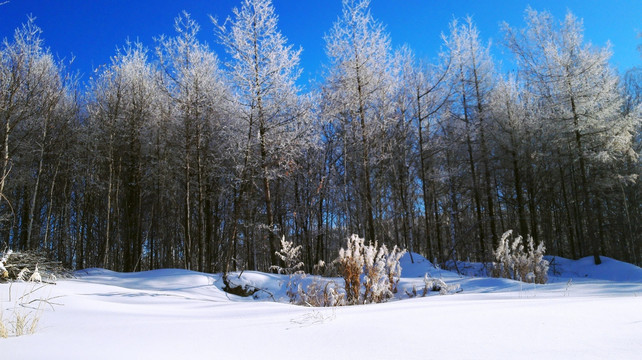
424, 182
593, 240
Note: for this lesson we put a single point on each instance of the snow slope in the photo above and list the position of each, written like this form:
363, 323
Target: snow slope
585, 312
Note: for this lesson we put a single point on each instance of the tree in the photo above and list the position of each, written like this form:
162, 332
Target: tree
473, 77
431, 93
582, 107
510, 127
123, 99
34, 104
263, 71
358, 78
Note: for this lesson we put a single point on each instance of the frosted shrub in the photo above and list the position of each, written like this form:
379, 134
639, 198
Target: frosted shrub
289, 254
350, 263
393, 267
381, 269
437, 285
321, 293
516, 262
540, 265
377, 286
3, 261
319, 268
431, 284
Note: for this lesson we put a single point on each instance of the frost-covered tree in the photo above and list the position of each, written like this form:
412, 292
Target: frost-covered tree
356, 88
581, 107
473, 77
190, 75
122, 105
35, 109
290, 256
511, 126
263, 69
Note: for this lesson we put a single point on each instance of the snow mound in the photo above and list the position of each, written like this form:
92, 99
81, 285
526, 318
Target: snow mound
585, 268
418, 268
162, 279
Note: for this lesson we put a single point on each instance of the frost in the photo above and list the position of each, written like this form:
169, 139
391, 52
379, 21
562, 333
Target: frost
514, 262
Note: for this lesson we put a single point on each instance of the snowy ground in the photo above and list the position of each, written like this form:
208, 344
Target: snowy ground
584, 312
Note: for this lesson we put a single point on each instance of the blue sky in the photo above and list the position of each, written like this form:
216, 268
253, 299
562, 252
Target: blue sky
91, 30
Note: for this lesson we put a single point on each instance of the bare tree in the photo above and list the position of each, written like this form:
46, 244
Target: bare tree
357, 81
263, 70
582, 106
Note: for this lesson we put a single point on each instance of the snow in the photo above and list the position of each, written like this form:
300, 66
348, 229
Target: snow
584, 312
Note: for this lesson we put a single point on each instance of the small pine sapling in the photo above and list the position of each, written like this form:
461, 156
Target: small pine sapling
289, 254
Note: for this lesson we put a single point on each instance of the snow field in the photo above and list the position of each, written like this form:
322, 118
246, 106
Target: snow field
170, 314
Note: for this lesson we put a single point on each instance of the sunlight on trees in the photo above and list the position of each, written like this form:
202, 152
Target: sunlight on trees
175, 156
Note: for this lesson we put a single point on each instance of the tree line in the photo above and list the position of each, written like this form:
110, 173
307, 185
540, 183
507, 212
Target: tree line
171, 157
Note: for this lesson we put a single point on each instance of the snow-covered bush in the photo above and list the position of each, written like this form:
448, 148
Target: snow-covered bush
3, 261
381, 269
393, 267
289, 254
319, 268
17, 266
350, 263
432, 284
376, 283
321, 293
516, 262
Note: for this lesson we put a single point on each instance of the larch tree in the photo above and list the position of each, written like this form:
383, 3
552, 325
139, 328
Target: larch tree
510, 126
263, 70
431, 92
582, 107
193, 84
473, 76
123, 99
34, 104
357, 82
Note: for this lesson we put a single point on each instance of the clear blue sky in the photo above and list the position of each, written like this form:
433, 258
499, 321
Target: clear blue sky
92, 29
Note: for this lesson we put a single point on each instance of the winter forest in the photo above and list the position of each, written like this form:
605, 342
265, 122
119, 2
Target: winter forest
174, 156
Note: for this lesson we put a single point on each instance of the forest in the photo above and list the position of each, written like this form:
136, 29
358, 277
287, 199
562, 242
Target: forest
173, 156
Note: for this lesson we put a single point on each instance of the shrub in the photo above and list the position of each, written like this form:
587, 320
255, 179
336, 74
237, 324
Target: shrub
381, 269
289, 254
393, 267
376, 281
321, 293
514, 262
350, 263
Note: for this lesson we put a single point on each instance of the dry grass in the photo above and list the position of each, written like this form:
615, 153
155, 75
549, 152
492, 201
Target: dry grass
4, 332
24, 317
